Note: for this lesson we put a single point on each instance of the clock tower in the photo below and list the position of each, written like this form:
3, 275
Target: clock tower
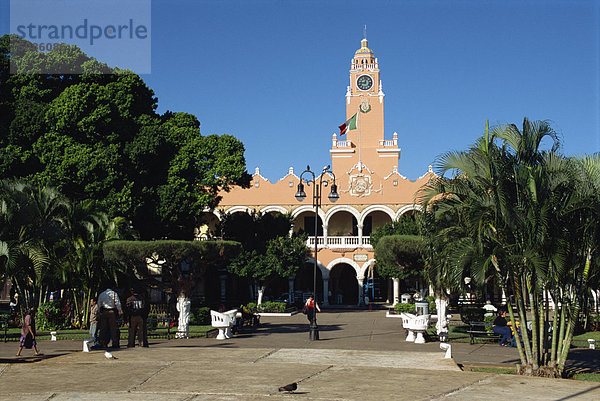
365, 147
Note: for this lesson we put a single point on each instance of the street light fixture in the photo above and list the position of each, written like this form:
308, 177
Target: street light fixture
316, 198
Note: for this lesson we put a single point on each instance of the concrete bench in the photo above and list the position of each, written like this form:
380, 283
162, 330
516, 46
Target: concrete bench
415, 325
223, 321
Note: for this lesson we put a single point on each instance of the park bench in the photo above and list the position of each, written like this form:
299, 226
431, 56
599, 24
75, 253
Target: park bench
481, 329
224, 322
415, 325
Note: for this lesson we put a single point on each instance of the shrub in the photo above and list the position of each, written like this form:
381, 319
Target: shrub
489, 319
432, 308
152, 321
269, 307
200, 316
405, 308
273, 307
471, 314
50, 317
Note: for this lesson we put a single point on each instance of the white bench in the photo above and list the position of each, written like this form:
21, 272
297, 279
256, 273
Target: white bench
223, 321
415, 324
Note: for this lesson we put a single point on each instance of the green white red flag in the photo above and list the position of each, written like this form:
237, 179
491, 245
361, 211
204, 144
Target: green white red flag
348, 125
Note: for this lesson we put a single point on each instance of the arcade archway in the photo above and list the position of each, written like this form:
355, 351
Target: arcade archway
343, 285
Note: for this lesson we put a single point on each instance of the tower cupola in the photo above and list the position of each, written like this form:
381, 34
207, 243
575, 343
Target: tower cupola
364, 59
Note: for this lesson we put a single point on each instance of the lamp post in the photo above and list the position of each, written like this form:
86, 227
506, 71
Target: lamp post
316, 199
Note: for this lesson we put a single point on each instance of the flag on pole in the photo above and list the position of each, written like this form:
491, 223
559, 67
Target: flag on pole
348, 125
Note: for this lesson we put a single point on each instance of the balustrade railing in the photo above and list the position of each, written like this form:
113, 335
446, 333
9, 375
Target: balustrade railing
339, 242
388, 142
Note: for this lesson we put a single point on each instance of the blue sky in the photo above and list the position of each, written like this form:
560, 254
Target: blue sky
274, 73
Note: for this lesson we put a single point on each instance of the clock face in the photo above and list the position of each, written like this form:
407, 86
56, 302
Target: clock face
364, 82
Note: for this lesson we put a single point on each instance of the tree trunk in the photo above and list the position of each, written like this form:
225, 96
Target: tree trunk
557, 317
519, 347
535, 354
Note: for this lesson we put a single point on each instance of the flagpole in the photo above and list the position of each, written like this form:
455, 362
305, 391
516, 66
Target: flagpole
359, 143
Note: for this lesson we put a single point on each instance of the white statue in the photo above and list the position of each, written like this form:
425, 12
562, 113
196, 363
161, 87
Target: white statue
441, 304
183, 307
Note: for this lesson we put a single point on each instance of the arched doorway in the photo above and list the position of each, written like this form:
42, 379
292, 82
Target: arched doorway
303, 284
376, 287
343, 285
207, 226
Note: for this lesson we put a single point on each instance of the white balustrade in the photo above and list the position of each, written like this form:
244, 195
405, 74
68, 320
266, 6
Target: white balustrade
388, 142
343, 144
340, 242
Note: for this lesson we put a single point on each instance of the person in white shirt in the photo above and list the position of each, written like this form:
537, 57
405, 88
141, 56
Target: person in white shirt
109, 306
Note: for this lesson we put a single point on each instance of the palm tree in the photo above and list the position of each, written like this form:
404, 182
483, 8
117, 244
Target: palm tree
510, 203
31, 233
85, 268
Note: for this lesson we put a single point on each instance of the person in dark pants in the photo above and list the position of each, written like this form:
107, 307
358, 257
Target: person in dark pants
136, 307
502, 327
311, 307
109, 306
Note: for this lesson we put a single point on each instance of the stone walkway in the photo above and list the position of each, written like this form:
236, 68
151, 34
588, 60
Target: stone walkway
362, 356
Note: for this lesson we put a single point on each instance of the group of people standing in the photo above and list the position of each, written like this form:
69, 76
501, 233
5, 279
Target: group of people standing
105, 311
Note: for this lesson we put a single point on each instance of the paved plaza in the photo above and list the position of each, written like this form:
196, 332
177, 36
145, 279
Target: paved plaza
361, 356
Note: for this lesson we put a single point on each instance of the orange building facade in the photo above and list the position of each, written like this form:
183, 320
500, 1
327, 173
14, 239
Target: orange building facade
372, 193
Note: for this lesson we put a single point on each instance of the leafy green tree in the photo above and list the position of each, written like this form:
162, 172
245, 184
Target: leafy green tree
399, 256
93, 133
405, 225
179, 262
268, 252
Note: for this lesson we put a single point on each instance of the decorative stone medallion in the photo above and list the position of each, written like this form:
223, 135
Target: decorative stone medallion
360, 185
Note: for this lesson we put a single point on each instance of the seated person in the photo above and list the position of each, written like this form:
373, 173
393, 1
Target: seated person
502, 327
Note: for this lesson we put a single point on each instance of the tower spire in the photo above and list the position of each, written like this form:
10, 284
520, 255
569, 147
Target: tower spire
365, 31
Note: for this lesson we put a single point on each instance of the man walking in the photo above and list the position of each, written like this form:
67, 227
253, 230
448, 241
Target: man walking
109, 306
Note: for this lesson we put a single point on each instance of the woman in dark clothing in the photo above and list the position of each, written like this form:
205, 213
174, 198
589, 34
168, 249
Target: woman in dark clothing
28, 334
502, 327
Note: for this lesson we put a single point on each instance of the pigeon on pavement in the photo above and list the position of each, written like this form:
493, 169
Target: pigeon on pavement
289, 387
108, 355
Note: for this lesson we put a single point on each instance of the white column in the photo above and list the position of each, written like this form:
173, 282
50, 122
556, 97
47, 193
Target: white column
360, 233
396, 290
361, 281
291, 289
325, 291
325, 226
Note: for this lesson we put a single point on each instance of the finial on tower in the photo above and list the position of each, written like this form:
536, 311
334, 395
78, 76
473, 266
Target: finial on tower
365, 31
